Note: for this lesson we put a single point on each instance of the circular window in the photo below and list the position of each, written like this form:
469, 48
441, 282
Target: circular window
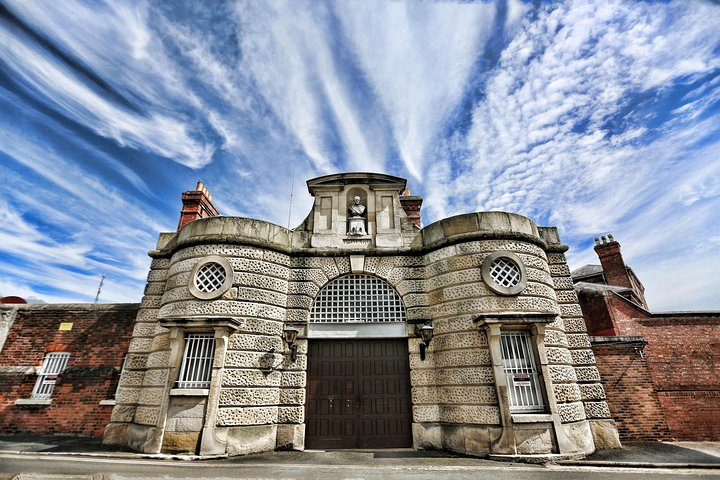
504, 273
211, 277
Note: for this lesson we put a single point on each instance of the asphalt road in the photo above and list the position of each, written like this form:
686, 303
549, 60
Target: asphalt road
62, 467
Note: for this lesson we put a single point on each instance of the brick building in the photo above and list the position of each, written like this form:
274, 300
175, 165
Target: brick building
660, 370
60, 365
359, 328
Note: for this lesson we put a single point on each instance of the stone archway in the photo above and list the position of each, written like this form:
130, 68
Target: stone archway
358, 393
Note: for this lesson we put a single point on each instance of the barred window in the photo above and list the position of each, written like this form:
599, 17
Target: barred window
505, 272
210, 277
356, 299
53, 365
521, 372
196, 367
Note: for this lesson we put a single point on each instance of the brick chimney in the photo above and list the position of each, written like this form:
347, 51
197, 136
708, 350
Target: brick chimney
614, 268
196, 204
411, 204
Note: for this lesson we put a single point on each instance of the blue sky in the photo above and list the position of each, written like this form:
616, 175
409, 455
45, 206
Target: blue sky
595, 116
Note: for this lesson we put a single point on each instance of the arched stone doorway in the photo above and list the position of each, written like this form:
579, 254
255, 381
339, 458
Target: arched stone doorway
358, 393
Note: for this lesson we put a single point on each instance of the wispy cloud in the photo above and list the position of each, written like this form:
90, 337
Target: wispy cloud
594, 116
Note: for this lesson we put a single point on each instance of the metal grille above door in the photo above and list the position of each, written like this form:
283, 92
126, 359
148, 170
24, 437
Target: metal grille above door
357, 298
358, 394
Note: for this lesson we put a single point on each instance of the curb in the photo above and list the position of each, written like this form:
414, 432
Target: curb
119, 455
600, 463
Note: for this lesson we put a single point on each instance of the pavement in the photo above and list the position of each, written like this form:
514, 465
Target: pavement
669, 455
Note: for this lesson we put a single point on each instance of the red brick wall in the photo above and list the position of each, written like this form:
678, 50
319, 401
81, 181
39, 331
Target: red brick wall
97, 344
629, 389
683, 360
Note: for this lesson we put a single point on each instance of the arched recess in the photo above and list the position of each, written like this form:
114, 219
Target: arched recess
358, 377
357, 306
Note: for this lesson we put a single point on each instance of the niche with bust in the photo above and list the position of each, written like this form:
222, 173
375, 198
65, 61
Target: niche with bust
357, 213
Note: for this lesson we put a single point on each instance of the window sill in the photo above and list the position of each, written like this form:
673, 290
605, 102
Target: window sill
33, 401
190, 392
531, 417
107, 402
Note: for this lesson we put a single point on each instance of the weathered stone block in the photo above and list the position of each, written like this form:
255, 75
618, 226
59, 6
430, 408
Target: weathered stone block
555, 338
247, 415
293, 379
292, 396
583, 357
477, 414
587, 374
592, 391
466, 376
426, 413
565, 392
533, 441
147, 415
291, 414
453, 341
260, 343
558, 356
597, 409
181, 442
571, 412
290, 437
427, 436
151, 396
562, 373
574, 325
249, 396
605, 434
578, 340
155, 377
233, 377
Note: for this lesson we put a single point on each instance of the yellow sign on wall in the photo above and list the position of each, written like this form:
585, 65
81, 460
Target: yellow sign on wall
67, 326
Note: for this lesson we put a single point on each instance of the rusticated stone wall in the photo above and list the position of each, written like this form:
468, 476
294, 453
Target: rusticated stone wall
578, 390
256, 401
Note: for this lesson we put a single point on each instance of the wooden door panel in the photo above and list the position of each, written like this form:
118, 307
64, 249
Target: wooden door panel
358, 394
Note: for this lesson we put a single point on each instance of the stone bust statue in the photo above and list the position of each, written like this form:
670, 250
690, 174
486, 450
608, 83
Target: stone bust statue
356, 210
356, 222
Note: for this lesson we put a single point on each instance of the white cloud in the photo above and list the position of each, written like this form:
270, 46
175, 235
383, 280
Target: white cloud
418, 58
62, 88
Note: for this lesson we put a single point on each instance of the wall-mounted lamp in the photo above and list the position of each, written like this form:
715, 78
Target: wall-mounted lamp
426, 333
290, 335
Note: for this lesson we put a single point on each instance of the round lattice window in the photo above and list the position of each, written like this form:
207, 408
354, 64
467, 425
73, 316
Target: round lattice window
504, 273
211, 277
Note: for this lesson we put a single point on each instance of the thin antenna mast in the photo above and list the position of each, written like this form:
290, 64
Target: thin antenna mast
97, 296
292, 190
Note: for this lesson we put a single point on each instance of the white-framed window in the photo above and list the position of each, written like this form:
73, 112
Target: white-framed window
196, 368
122, 369
521, 372
53, 365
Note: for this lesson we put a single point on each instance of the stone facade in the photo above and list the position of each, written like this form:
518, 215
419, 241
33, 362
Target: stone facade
267, 279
